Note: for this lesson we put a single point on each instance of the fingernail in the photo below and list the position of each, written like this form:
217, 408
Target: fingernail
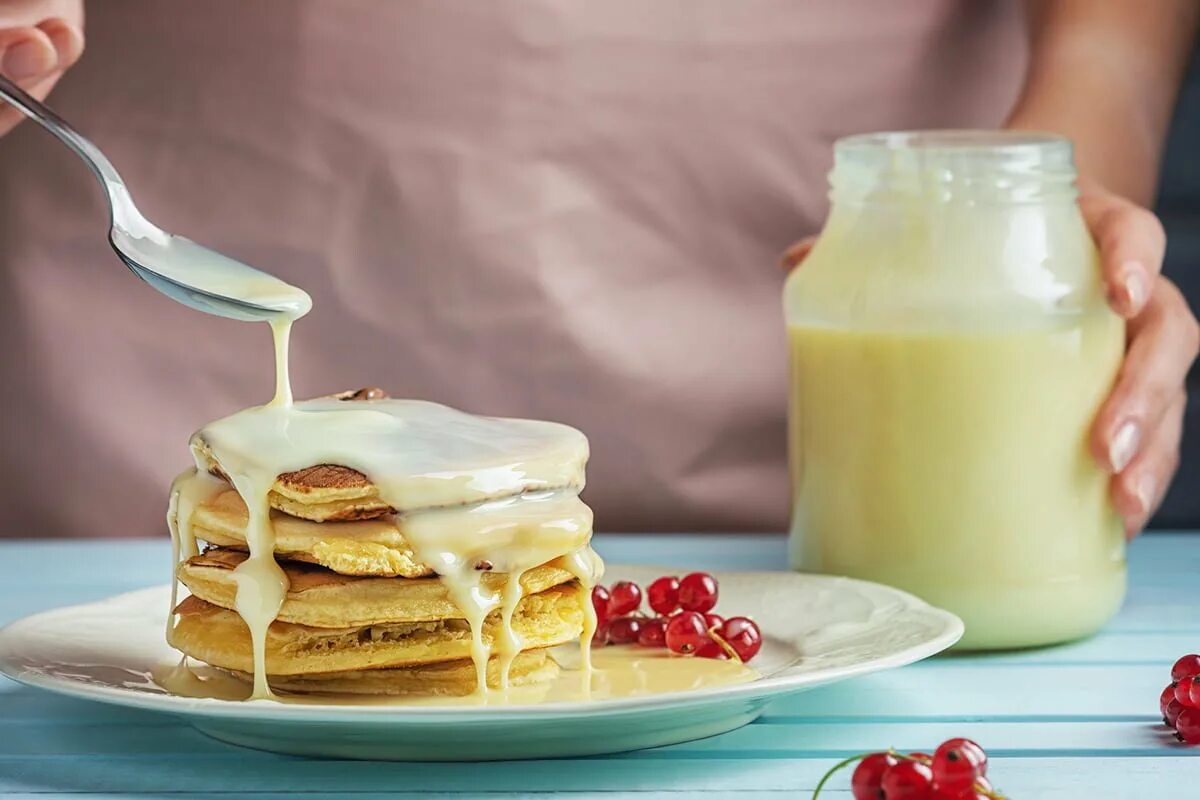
1144, 489
25, 60
1124, 446
1134, 284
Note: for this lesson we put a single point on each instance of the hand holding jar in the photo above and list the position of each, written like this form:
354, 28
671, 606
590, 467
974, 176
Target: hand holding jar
1137, 432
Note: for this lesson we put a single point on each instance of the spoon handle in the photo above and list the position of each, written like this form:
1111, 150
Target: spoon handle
43, 115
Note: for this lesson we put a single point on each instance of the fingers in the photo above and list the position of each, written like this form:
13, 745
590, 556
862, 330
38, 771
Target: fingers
26, 53
792, 257
34, 57
1163, 342
1139, 490
1131, 242
67, 40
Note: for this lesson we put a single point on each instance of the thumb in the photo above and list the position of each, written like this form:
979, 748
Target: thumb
30, 59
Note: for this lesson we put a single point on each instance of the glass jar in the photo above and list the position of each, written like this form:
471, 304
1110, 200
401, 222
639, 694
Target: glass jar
950, 346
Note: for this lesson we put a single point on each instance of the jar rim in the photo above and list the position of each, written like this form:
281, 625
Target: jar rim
983, 148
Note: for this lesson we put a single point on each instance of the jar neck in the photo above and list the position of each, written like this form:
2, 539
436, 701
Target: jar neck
939, 168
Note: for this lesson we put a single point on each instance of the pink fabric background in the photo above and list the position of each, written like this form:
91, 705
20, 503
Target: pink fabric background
556, 209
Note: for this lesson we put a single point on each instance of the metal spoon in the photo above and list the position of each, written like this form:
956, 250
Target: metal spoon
174, 265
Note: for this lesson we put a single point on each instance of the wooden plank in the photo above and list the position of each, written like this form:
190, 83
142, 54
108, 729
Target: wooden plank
665, 794
782, 737
947, 690
651, 795
245, 774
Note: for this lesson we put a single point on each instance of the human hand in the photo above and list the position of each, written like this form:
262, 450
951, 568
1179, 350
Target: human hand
38, 42
1138, 429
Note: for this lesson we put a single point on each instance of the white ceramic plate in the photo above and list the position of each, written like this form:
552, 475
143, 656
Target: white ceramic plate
818, 630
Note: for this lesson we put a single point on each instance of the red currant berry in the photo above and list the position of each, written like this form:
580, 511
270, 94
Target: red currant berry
1186, 667
1168, 694
1183, 691
686, 633
867, 783
977, 751
907, 780
1187, 726
957, 763
743, 636
924, 758
663, 595
698, 592
600, 637
600, 601
1171, 714
625, 599
653, 633
982, 790
714, 621
953, 774
624, 630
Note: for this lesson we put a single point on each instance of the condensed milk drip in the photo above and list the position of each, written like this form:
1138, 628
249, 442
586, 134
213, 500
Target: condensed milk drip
189, 490
261, 583
473, 494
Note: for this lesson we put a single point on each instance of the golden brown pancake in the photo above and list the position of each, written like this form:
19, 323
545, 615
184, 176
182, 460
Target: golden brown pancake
219, 637
368, 547
323, 599
380, 547
322, 492
449, 678
327, 492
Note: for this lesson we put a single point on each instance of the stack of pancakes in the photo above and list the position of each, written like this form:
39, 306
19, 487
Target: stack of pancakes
362, 612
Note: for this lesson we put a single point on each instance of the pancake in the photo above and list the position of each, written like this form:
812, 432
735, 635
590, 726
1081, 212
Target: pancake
337, 493
321, 493
369, 547
449, 678
381, 547
219, 637
322, 599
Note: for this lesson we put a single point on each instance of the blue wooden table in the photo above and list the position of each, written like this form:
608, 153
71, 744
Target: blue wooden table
1078, 721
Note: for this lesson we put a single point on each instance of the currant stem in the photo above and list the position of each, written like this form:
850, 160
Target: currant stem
894, 754
724, 645
840, 765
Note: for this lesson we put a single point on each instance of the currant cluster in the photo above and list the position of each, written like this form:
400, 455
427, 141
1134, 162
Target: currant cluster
1180, 701
957, 770
683, 621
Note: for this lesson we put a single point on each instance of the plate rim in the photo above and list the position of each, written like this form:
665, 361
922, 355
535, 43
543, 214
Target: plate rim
762, 690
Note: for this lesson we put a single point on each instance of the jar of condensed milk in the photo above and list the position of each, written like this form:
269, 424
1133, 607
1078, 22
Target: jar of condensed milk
950, 347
